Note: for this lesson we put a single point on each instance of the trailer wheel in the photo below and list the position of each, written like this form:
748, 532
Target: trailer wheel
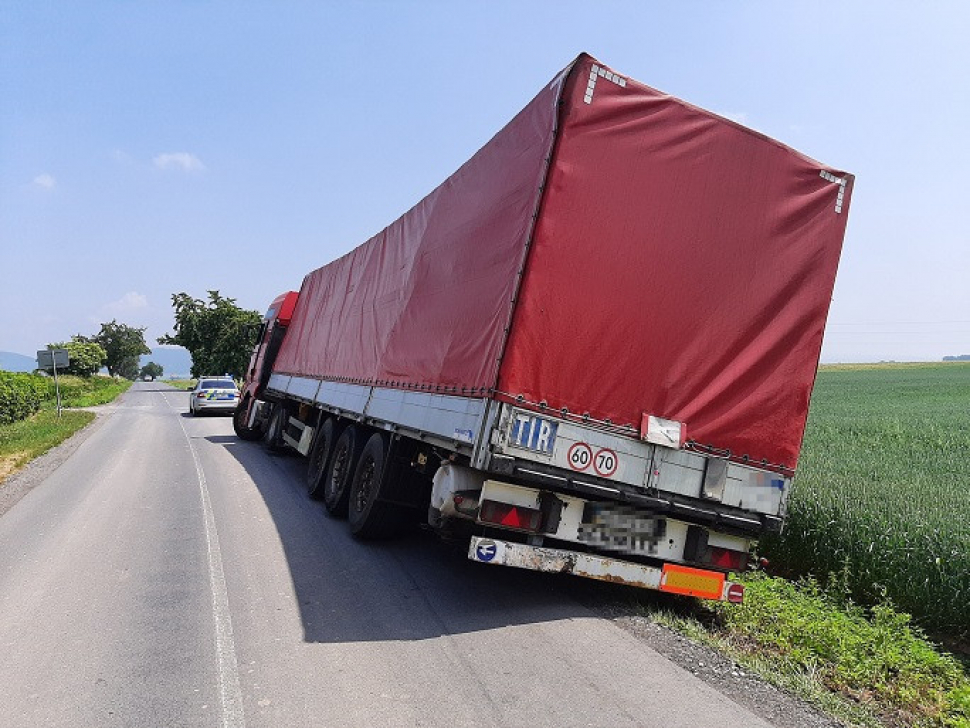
370, 517
319, 458
343, 460
239, 423
273, 438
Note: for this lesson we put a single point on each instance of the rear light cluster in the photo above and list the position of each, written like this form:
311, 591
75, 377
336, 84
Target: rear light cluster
727, 559
698, 551
509, 516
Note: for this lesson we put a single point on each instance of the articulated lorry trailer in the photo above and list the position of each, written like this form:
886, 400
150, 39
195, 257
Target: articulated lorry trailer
590, 350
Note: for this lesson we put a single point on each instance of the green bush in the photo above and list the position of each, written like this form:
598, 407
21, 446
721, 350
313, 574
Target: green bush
87, 357
90, 391
21, 395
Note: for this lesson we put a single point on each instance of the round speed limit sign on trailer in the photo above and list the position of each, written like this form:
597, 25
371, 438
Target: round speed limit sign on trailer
580, 455
605, 462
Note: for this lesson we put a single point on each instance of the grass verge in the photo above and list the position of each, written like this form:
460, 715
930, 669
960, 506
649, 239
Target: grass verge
22, 441
867, 667
90, 391
185, 384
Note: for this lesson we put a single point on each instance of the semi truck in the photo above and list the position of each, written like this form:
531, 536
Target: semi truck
590, 350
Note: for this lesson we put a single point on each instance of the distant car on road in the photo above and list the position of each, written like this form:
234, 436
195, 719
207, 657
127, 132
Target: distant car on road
213, 394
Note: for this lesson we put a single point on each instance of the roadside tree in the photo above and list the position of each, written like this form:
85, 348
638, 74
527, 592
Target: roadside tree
151, 371
123, 345
86, 356
218, 334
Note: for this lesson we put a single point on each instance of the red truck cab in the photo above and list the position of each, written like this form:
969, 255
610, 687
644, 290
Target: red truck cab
268, 342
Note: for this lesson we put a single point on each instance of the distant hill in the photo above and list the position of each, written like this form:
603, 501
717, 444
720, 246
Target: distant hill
11, 362
175, 361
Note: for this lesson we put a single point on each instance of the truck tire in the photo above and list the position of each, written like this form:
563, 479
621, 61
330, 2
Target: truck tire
239, 423
340, 471
273, 438
369, 517
319, 459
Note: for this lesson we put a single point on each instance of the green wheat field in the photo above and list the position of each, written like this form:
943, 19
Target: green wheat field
882, 493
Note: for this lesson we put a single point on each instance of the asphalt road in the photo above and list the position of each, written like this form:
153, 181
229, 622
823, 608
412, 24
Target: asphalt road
168, 574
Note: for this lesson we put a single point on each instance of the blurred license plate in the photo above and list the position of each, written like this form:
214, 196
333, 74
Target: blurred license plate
224, 396
621, 528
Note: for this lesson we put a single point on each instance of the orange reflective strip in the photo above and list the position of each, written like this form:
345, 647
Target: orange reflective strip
691, 582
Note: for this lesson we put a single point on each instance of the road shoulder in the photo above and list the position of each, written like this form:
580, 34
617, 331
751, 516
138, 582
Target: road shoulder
36, 471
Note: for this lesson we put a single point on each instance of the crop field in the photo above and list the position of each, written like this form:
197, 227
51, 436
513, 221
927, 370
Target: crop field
882, 495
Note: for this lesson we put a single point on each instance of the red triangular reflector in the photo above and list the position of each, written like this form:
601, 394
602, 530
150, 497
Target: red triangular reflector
512, 519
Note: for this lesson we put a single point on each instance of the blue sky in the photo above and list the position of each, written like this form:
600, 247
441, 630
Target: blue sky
148, 148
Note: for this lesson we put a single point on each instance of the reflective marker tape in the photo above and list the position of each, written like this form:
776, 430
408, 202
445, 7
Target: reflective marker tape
841, 182
600, 72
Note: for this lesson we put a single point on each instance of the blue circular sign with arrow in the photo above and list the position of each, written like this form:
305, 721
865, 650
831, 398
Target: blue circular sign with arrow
486, 550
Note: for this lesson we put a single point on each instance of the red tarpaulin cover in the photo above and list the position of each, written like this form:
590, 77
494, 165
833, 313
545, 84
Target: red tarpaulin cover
681, 266
426, 301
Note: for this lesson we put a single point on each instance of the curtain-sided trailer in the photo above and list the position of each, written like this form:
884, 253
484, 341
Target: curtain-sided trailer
590, 350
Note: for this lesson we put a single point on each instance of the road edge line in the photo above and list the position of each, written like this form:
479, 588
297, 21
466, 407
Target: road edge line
233, 715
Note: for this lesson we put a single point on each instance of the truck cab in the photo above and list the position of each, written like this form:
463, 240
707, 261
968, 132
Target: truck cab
268, 341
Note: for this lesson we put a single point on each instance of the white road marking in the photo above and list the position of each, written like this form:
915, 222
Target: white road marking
233, 715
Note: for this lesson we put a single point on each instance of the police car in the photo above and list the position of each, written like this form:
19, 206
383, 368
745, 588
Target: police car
213, 394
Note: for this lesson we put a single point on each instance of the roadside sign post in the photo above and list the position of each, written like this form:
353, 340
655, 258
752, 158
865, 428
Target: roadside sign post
57, 387
51, 359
